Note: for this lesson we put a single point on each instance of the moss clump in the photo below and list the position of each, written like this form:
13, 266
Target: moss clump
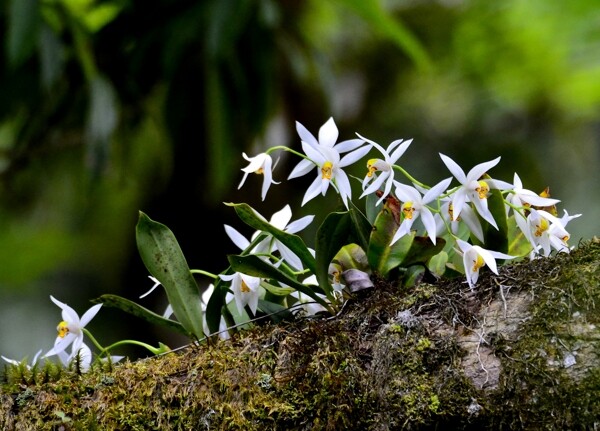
520, 352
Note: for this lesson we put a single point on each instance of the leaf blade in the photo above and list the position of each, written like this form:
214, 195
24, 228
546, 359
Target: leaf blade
164, 259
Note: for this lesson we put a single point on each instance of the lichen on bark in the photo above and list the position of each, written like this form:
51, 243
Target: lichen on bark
521, 351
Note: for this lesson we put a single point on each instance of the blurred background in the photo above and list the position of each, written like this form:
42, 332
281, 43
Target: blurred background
112, 107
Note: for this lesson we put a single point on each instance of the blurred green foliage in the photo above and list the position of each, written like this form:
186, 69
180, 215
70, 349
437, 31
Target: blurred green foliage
110, 107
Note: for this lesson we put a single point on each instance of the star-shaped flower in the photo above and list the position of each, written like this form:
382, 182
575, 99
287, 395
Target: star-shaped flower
472, 189
467, 216
523, 198
381, 171
70, 330
547, 232
245, 290
415, 205
325, 154
475, 258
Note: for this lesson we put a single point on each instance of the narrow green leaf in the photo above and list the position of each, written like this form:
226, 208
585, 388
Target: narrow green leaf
496, 239
371, 209
361, 227
385, 226
137, 310
164, 259
277, 290
247, 214
256, 267
413, 275
332, 235
216, 307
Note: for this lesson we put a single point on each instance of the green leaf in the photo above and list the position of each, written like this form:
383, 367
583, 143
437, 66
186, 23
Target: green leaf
277, 290
519, 244
99, 16
137, 310
164, 259
385, 226
496, 239
371, 209
256, 267
352, 256
216, 307
413, 275
247, 214
332, 235
421, 250
397, 253
437, 263
361, 227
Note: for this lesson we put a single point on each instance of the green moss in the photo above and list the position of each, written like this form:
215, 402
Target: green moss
394, 360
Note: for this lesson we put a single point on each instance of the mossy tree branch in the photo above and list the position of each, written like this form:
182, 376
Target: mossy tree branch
519, 352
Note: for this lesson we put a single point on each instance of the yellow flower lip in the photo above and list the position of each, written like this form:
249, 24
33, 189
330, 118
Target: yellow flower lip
541, 227
478, 263
408, 210
482, 189
244, 288
327, 170
63, 329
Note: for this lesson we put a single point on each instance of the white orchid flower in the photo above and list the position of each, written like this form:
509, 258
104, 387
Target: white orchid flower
475, 258
330, 171
280, 220
472, 189
547, 232
467, 216
261, 164
326, 155
328, 135
521, 197
335, 272
524, 198
380, 171
70, 329
245, 290
415, 205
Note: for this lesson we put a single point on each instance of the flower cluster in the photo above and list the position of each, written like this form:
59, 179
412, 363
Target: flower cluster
464, 226
439, 207
407, 227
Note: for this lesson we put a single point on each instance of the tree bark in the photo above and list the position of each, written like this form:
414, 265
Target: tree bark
520, 351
